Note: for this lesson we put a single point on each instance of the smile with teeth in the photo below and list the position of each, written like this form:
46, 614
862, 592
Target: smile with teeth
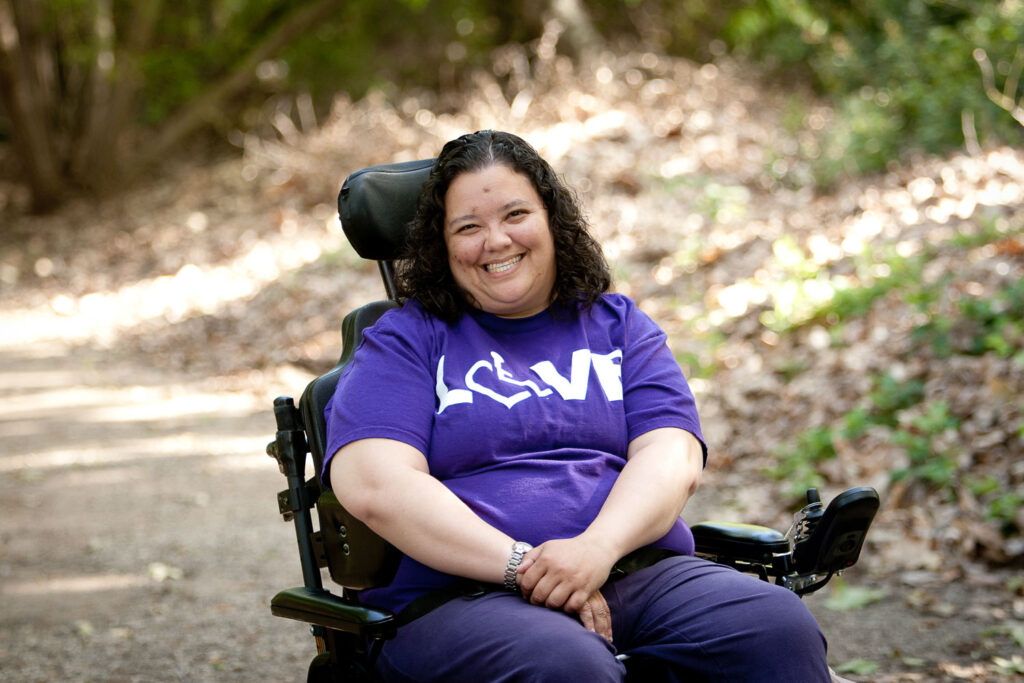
504, 265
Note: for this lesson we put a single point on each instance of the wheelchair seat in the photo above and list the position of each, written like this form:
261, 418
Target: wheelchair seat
376, 205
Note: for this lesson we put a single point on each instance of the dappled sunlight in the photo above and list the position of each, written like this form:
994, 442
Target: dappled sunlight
61, 421
75, 584
195, 289
127, 403
131, 404
183, 444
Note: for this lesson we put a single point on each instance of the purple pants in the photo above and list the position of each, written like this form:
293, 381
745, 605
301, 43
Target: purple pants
704, 621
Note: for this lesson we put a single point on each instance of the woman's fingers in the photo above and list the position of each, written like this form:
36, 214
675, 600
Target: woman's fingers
596, 616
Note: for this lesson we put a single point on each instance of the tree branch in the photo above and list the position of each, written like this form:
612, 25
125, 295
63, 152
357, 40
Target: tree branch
1005, 99
205, 107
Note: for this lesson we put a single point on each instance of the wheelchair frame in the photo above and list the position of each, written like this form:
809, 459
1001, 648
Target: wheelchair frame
376, 204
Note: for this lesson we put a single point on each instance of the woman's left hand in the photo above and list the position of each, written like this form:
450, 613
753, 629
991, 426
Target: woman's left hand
596, 616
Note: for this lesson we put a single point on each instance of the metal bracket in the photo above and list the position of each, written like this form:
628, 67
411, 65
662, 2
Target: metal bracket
291, 501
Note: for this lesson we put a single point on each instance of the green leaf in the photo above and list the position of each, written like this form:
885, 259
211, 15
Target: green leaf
1011, 666
860, 667
846, 598
1017, 633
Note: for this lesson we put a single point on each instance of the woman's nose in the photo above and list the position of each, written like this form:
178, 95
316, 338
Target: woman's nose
496, 238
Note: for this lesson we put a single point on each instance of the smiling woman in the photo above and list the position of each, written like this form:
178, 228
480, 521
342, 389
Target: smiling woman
499, 175
527, 441
499, 244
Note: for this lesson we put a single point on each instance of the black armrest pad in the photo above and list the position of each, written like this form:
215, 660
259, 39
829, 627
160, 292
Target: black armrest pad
735, 541
357, 557
325, 609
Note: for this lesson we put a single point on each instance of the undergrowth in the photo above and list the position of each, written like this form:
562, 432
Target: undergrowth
952, 318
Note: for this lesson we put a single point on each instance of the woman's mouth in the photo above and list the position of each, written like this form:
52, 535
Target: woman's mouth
504, 265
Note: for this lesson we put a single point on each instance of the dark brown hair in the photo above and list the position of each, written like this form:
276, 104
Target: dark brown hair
424, 275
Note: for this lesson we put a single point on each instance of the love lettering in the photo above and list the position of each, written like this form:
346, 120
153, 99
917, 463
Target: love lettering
607, 368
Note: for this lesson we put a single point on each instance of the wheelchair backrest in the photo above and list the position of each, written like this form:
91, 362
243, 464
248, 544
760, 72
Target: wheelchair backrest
376, 205
319, 391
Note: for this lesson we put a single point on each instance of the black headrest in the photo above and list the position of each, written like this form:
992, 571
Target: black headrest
376, 205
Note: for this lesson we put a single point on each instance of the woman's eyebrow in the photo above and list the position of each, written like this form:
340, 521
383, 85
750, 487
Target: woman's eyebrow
472, 216
466, 217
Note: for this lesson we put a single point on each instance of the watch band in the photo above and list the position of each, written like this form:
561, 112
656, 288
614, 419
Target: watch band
514, 560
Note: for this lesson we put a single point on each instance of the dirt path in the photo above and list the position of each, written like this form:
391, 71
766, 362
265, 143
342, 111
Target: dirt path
140, 539
140, 542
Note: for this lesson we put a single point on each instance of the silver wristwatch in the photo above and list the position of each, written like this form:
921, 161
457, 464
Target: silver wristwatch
514, 560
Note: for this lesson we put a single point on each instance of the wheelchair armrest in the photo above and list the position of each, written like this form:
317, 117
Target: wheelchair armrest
325, 609
739, 542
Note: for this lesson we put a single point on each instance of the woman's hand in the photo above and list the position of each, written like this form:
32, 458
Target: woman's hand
564, 573
596, 616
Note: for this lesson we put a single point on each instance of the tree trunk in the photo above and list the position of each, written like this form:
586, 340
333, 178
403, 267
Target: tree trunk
115, 86
71, 120
27, 89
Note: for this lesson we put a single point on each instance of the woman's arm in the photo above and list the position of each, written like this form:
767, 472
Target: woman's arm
387, 484
662, 471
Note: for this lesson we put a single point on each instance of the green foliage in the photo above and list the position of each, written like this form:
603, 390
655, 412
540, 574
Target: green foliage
857, 667
975, 325
412, 45
890, 396
1004, 508
696, 365
798, 461
954, 319
366, 44
928, 462
847, 598
1016, 632
902, 72
1010, 666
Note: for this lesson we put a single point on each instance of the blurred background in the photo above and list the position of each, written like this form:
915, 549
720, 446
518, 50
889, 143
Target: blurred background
821, 201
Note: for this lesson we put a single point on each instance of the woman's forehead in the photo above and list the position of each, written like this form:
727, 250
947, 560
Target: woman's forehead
489, 185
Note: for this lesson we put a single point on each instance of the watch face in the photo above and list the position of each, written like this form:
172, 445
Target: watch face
520, 547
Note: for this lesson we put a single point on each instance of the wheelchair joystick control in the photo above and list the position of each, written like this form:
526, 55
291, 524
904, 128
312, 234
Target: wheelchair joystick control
806, 521
829, 540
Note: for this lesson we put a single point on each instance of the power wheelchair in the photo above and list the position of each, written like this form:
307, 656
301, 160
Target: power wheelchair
375, 205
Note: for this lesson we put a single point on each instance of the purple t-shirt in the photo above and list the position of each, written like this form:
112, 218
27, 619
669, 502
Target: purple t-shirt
526, 420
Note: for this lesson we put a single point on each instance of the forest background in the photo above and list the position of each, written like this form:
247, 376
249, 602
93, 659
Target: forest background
821, 201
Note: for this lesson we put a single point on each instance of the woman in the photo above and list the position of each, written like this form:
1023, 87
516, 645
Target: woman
516, 425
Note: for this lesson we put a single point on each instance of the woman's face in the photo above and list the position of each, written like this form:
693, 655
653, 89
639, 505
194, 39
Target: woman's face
500, 249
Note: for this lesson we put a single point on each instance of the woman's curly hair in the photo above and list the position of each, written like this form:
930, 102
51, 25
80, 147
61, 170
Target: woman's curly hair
423, 274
